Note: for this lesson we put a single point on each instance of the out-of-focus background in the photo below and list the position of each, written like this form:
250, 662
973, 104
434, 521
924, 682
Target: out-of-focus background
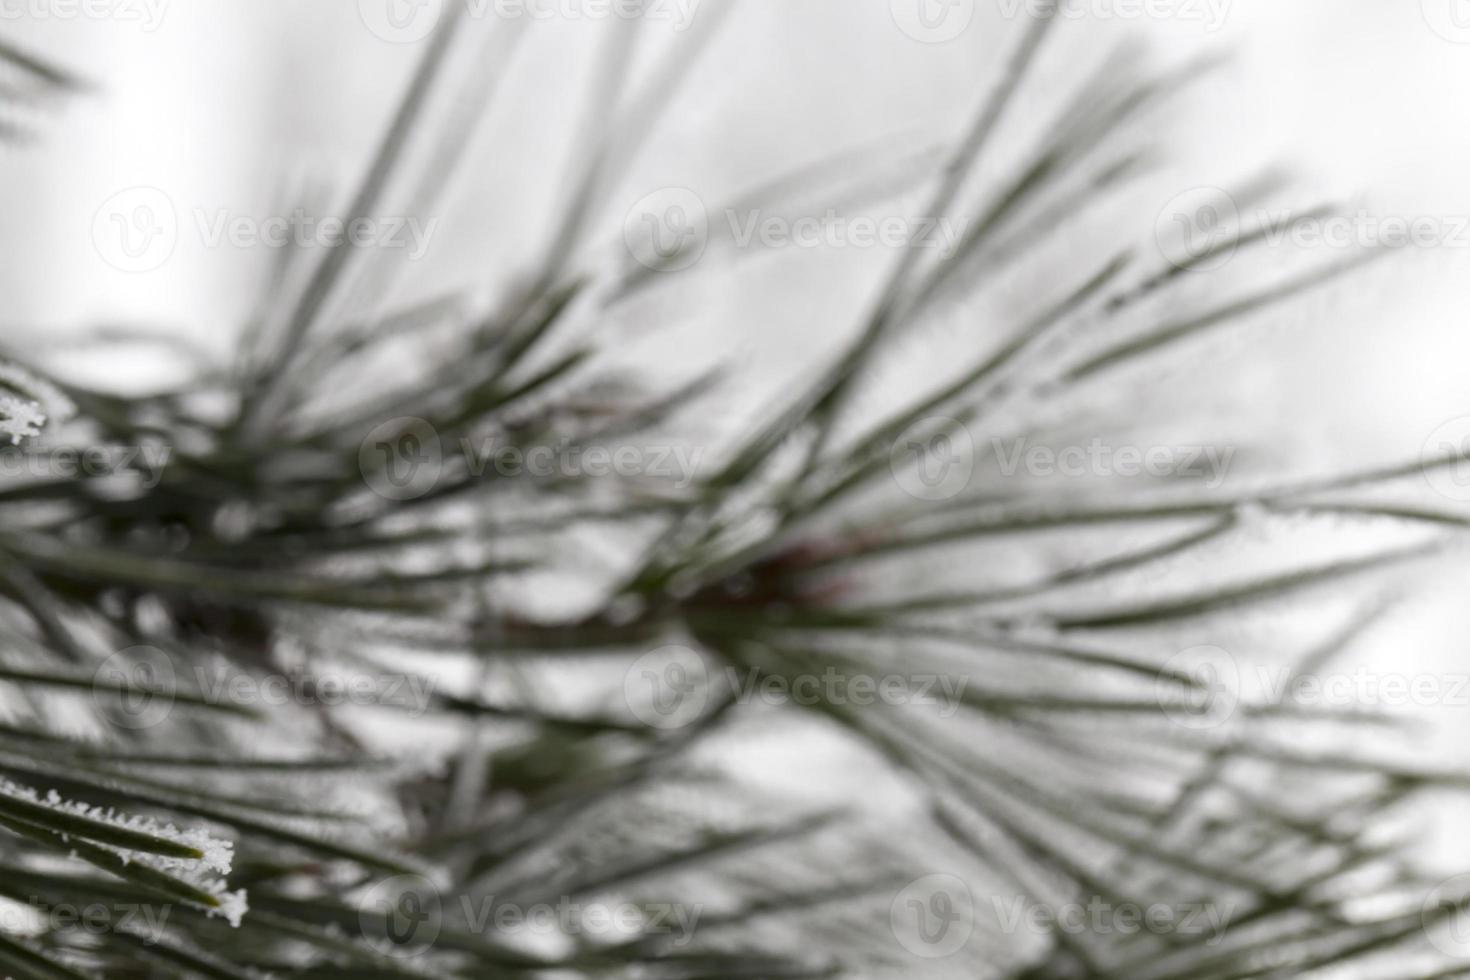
244, 108
246, 105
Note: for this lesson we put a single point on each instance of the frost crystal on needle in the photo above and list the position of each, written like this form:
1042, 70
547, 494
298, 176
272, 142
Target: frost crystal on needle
27, 403
217, 856
20, 419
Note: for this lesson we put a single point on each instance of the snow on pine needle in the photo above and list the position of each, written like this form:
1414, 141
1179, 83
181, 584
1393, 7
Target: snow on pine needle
27, 403
191, 857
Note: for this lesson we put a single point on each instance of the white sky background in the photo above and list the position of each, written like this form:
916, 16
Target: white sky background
230, 102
